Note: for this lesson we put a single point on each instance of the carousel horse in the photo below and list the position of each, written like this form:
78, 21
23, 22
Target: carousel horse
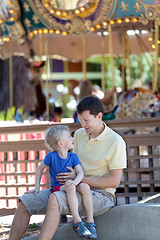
138, 103
34, 79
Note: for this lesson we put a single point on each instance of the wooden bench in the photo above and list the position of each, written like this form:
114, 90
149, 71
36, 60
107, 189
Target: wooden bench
19, 160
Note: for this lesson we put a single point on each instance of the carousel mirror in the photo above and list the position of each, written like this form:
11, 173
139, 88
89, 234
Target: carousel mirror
68, 4
4, 10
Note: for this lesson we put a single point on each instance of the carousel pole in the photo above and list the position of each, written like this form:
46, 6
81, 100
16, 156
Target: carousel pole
84, 53
11, 77
155, 79
40, 45
112, 63
47, 70
124, 61
129, 62
103, 63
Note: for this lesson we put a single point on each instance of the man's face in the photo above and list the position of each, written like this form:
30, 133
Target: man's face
89, 122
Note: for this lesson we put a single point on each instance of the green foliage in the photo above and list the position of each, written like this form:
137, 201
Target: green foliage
141, 68
33, 225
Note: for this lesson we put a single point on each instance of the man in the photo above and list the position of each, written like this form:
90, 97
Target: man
102, 153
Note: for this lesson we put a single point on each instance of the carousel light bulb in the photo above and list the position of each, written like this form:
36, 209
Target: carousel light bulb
158, 41
12, 19
119, 21
150, 39
98, 26
51, 11
51, 31
135, 19
105, 24
127, 20
45, 31
64, 33
111, 22
31, 34
40, 31
46, 5
11, 11
153, 46
77, 11
35, 32
58, 13
57, 31
82, 9
92, 29
9, 2
1, 21
64, 13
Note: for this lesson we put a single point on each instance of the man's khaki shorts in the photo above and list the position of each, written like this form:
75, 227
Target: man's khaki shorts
37, 203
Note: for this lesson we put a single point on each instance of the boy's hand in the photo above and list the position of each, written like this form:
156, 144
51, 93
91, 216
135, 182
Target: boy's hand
69, 183
35, 191
65, 176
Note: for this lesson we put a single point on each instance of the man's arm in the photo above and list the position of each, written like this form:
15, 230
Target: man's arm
111, 181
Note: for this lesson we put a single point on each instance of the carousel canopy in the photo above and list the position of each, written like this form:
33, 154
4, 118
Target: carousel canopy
42, 27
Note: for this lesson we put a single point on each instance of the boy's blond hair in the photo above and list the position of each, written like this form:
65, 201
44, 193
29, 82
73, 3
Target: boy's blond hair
53, 135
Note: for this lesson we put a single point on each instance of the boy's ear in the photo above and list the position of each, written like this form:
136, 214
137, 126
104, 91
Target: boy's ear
59, 143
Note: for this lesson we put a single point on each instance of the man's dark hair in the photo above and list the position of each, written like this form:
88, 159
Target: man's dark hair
91, 104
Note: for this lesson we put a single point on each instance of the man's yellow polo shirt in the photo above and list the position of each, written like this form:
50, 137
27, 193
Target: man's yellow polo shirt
101, 154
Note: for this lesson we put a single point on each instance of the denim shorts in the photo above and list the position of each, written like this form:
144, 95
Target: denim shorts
37, 203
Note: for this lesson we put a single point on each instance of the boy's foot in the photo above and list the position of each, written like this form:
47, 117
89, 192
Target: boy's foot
81, 230
92, 228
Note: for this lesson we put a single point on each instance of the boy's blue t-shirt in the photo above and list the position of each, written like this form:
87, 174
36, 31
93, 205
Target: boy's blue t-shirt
57, 165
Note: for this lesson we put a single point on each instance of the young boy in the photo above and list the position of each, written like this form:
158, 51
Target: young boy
59, 141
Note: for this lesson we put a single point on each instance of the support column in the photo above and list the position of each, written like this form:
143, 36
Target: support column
84, 53
103, 68
124, 61
112, 63
155, 79
11, 77
47, 70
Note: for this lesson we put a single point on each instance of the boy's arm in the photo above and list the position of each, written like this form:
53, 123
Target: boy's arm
39, 172
79, 176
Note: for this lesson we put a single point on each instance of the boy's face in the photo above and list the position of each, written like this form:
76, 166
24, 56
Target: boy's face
90, 122
66, 140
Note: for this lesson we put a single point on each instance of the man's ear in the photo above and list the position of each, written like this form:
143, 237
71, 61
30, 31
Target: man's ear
100, 115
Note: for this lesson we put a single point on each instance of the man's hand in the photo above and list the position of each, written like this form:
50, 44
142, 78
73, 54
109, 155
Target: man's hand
65, 176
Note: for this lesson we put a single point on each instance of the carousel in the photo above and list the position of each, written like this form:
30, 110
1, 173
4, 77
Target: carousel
41, 30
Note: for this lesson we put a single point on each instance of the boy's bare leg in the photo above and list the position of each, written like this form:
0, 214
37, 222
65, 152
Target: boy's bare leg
84, 189
72, 202
20, 223
52, 219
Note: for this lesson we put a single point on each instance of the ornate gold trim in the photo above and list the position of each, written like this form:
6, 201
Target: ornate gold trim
16, 31
151, 11
78, 24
